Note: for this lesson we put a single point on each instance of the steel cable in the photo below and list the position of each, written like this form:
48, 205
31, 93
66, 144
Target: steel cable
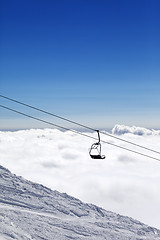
64, 128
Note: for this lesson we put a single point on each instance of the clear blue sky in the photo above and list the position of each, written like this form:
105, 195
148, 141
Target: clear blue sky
96, 62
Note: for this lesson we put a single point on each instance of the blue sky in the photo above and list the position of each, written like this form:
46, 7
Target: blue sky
96, 62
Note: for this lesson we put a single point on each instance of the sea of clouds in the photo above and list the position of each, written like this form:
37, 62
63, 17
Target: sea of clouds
124, 182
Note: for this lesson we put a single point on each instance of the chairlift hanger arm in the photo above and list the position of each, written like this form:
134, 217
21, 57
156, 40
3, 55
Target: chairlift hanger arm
98, 136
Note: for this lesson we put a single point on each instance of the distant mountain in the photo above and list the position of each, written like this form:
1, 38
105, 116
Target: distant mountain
32, 211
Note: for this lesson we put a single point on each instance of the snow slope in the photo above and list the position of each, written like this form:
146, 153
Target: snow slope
32, 211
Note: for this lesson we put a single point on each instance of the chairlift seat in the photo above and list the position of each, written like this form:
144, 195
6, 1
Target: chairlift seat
97, 156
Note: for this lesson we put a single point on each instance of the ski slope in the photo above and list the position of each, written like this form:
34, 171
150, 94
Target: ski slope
31, 211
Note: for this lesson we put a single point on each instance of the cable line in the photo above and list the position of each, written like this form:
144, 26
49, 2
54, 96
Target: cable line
137, 145
38, 119
46, 112
78, 124
44, 121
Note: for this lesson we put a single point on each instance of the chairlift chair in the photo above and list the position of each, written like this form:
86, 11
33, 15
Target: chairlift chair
95, 150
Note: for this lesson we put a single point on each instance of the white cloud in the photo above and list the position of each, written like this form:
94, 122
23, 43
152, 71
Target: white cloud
124, 182
120, 130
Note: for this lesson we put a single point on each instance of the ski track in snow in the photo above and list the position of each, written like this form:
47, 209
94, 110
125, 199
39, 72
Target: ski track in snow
30, 211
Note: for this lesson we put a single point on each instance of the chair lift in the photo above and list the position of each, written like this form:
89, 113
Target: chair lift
95, 150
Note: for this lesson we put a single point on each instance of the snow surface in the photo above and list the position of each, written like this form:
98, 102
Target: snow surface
124, 182
31, 211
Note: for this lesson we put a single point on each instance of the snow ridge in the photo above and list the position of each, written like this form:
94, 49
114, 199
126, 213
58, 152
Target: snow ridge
32, 211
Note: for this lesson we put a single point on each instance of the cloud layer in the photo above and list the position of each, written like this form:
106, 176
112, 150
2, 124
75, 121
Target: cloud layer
124, 182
